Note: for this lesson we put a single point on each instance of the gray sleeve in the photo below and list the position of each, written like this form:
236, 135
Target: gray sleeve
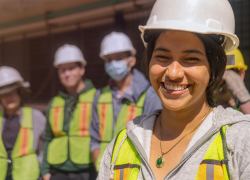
237, 137
105, 164
94, 126
39, 122
152, 102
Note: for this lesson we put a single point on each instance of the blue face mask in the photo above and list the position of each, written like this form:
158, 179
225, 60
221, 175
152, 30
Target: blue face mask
117, 70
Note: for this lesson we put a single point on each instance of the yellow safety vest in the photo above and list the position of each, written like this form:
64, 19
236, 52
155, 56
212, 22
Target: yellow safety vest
105, 111
75, 143
213, 167
24, 159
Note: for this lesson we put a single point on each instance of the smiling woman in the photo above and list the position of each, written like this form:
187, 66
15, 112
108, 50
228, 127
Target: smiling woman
191, 137
206, 48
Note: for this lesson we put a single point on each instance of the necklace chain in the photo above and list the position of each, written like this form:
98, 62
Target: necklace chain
163, 153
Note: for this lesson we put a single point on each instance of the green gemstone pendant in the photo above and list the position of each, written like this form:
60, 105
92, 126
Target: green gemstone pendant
160, 162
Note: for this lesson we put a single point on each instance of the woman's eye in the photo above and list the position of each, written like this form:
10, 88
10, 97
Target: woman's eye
192, 59
162, 57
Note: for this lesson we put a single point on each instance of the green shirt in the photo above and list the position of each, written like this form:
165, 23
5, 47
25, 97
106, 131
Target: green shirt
70, 102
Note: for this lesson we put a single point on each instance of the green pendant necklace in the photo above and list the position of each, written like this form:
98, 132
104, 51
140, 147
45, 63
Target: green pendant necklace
160, 161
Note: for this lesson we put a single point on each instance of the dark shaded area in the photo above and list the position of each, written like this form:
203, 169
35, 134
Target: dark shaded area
34, 57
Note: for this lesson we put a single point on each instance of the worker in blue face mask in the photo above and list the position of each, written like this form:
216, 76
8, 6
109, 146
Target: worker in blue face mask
127, 95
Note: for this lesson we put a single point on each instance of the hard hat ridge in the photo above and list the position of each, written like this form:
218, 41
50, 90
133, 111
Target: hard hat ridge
68, 54
197, 16
116, 42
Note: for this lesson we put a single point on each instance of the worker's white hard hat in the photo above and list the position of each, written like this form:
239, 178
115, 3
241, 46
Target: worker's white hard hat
116, 42
10, 79
67, 54
198, 16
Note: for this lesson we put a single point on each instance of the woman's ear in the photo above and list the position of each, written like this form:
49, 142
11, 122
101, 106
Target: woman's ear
132, 61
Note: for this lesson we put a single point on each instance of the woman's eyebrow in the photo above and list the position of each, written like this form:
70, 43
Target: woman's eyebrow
161, 49
186, 51
193, 51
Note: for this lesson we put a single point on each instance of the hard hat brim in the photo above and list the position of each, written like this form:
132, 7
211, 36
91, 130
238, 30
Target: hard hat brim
83, 62
232, 41
132, 51
5, 89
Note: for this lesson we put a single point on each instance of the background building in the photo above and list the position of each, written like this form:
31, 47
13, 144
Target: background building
31, 31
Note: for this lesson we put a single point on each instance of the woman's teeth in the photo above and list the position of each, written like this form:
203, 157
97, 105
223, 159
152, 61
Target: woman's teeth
175, 87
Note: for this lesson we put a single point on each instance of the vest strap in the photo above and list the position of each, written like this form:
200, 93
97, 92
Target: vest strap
128, 162
127, 113
105, 110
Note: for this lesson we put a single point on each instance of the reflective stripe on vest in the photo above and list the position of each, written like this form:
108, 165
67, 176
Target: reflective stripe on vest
128, 162
24, 159
213, 166
75, 143
105, 110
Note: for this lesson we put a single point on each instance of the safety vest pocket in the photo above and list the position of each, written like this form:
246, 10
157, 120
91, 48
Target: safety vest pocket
80, 150
25, 167
3, 168
126, 171
58, 150
211, 170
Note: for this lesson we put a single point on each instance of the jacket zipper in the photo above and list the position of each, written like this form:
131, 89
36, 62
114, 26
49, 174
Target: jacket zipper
192, 150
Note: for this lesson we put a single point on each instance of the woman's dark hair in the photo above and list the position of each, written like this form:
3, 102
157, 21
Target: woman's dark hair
216, 56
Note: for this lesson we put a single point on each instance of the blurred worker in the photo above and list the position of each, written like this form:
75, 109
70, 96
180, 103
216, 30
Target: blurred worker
232, 91
127, 95
22, 129
66, 151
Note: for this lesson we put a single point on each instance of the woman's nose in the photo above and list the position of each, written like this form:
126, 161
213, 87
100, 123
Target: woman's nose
175, 71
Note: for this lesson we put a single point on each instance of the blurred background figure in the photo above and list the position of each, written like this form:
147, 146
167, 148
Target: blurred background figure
127, 95
232, 91
66, 151
22, 129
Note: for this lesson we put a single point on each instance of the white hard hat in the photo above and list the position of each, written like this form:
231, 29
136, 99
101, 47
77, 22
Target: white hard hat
198, 16
67, 54
10, 79
116, 42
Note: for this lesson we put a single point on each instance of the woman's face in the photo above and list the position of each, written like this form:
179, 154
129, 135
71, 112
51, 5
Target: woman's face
11, 100
179, 70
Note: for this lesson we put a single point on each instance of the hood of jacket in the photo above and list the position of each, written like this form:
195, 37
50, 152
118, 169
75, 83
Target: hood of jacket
221, 117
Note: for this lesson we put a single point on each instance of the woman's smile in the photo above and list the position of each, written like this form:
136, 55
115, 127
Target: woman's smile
174, 89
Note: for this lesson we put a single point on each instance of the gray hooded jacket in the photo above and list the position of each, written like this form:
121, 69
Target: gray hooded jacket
237, 138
